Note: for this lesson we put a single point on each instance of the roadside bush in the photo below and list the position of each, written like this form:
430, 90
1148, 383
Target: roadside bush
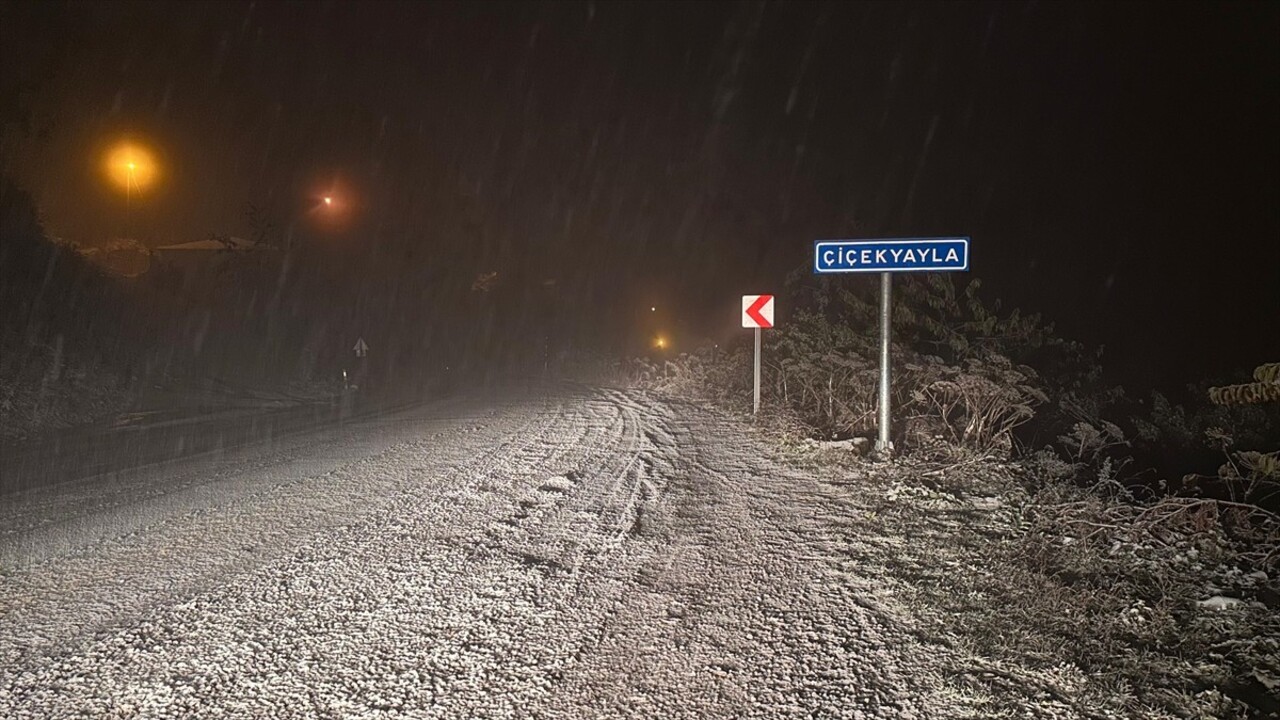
955, 375
825, 373
980, 404
1233, 428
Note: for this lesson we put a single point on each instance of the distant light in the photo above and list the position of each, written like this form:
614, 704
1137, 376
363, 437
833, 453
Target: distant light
653, 309
660, 343
328, 200
130, 167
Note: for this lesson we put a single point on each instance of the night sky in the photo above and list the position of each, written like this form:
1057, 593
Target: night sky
1116, 165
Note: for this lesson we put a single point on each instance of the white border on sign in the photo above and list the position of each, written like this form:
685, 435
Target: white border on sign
819, 244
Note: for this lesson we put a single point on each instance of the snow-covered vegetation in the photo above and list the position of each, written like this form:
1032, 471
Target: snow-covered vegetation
1043, 524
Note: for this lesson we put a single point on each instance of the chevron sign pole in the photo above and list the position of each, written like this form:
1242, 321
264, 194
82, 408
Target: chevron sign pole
757, 312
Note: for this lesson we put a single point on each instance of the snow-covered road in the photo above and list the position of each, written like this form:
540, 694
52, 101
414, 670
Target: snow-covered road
576, 553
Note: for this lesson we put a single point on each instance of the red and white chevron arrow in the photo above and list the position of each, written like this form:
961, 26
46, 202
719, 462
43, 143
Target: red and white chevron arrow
757, 311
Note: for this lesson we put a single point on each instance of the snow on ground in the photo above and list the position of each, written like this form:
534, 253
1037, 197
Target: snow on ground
568, 554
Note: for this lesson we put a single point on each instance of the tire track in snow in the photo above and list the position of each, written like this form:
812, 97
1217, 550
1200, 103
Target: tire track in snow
740, 611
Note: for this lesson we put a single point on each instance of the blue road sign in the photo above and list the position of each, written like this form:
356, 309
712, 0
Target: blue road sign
948, 254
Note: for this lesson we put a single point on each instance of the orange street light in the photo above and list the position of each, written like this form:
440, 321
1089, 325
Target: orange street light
131, 167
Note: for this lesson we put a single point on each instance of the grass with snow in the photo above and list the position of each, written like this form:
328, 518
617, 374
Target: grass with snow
1053, 591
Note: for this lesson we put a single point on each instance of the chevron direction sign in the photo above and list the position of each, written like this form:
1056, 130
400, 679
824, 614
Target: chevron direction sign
757, 311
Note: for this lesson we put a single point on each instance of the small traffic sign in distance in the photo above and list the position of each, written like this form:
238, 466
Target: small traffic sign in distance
757, 311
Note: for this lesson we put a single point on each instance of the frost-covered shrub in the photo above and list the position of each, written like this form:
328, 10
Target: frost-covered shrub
949, 383
1251, 475
980, 403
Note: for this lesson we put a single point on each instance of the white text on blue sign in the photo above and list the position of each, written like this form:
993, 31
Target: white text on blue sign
892, 255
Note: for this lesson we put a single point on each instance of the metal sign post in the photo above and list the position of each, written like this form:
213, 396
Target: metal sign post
883, 443
757, 312
949, 254
755, 395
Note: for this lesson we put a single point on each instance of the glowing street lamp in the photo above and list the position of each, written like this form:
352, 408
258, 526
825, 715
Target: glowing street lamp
327, 203
132, 168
